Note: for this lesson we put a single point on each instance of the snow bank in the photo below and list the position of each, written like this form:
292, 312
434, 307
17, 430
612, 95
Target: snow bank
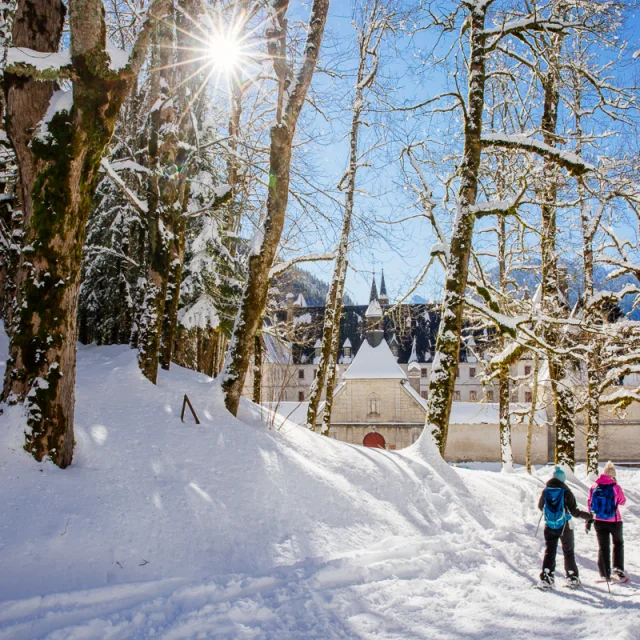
148, 497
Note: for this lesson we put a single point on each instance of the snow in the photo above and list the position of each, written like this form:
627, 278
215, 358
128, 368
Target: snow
374, 363
201, 314
118, 58
41, 61
374, 310
300, 301
229, 530
61, 100
305, 318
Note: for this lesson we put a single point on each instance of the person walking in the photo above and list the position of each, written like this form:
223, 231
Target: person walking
605, 497
558, 504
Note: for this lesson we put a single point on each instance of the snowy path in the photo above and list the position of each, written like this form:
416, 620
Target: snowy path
231, 531
442, 586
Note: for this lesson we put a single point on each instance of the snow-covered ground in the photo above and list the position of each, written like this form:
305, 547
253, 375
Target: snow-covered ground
228, 530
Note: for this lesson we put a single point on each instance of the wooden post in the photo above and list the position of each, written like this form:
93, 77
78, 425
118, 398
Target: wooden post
186, 402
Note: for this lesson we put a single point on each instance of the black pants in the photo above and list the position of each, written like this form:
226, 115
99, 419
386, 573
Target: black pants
551, 537
605, 531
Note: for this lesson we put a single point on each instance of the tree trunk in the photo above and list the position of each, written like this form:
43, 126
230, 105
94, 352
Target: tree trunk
443, 374
506, 452
160, 202
266, 241
257, 369
332, 366
564, 404
331, 317
532, 415
58, 174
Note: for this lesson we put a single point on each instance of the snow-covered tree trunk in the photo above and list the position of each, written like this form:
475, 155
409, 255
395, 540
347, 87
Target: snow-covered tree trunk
265, 245
443, 372
58, 164
506, 452
161, 199
257, 368
564, 401
532, 414
371, 25
333, 361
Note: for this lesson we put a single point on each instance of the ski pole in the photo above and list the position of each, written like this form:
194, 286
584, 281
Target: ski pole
539, 521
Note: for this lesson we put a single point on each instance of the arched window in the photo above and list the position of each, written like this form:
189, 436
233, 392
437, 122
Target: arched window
374, 405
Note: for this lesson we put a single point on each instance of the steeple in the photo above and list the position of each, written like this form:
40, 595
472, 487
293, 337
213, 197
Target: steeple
383, 298
374, 289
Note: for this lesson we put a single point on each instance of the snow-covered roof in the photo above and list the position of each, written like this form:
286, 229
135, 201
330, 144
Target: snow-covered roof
374, 362
300, 301
318, 344
347, 343
374, 310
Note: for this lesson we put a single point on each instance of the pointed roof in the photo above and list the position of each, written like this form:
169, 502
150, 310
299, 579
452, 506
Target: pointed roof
374, 362
300, 301
374, 310
346, 343
374, 290
383, 297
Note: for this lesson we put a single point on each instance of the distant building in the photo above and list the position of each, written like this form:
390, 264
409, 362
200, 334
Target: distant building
384, 366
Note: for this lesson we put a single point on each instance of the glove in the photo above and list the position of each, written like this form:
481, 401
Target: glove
587, 526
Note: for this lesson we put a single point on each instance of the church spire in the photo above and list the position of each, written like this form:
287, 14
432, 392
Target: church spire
374, 290
383, 298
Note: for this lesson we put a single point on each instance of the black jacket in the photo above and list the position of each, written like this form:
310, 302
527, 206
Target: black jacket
569, 500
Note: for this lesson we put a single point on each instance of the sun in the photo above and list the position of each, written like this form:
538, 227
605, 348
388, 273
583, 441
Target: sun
224, 51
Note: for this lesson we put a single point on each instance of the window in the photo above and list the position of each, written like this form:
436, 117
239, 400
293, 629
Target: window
489, 396
423, 372
514, 396
473, 396
457, 372
527, 369
333, 433
424, 394
456, 396
374, 405
347, 352
528, 396
315, 373
415, 434
300, 396
472, 372
301, 374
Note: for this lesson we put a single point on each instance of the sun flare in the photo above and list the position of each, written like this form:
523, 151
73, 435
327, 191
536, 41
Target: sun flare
225, 52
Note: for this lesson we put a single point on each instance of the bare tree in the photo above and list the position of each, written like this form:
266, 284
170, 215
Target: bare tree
291, 97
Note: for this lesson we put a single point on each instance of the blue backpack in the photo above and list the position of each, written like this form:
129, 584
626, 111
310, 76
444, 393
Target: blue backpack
603, 502
555, 514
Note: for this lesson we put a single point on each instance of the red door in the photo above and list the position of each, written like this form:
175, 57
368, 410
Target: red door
374, 440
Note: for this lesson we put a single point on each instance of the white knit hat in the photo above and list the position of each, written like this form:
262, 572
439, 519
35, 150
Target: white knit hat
609, 470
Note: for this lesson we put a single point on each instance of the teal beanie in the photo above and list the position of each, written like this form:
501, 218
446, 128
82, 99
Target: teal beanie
559, 474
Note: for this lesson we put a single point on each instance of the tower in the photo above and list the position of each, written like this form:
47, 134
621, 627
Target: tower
374, 289
383, 298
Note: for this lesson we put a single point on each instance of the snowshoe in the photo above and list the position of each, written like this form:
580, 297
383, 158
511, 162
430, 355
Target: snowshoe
573, 582
546, 582
620, 576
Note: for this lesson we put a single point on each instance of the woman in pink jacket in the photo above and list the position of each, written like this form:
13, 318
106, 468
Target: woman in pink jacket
604, 499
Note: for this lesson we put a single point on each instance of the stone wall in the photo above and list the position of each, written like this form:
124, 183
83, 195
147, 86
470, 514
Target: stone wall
352, 403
